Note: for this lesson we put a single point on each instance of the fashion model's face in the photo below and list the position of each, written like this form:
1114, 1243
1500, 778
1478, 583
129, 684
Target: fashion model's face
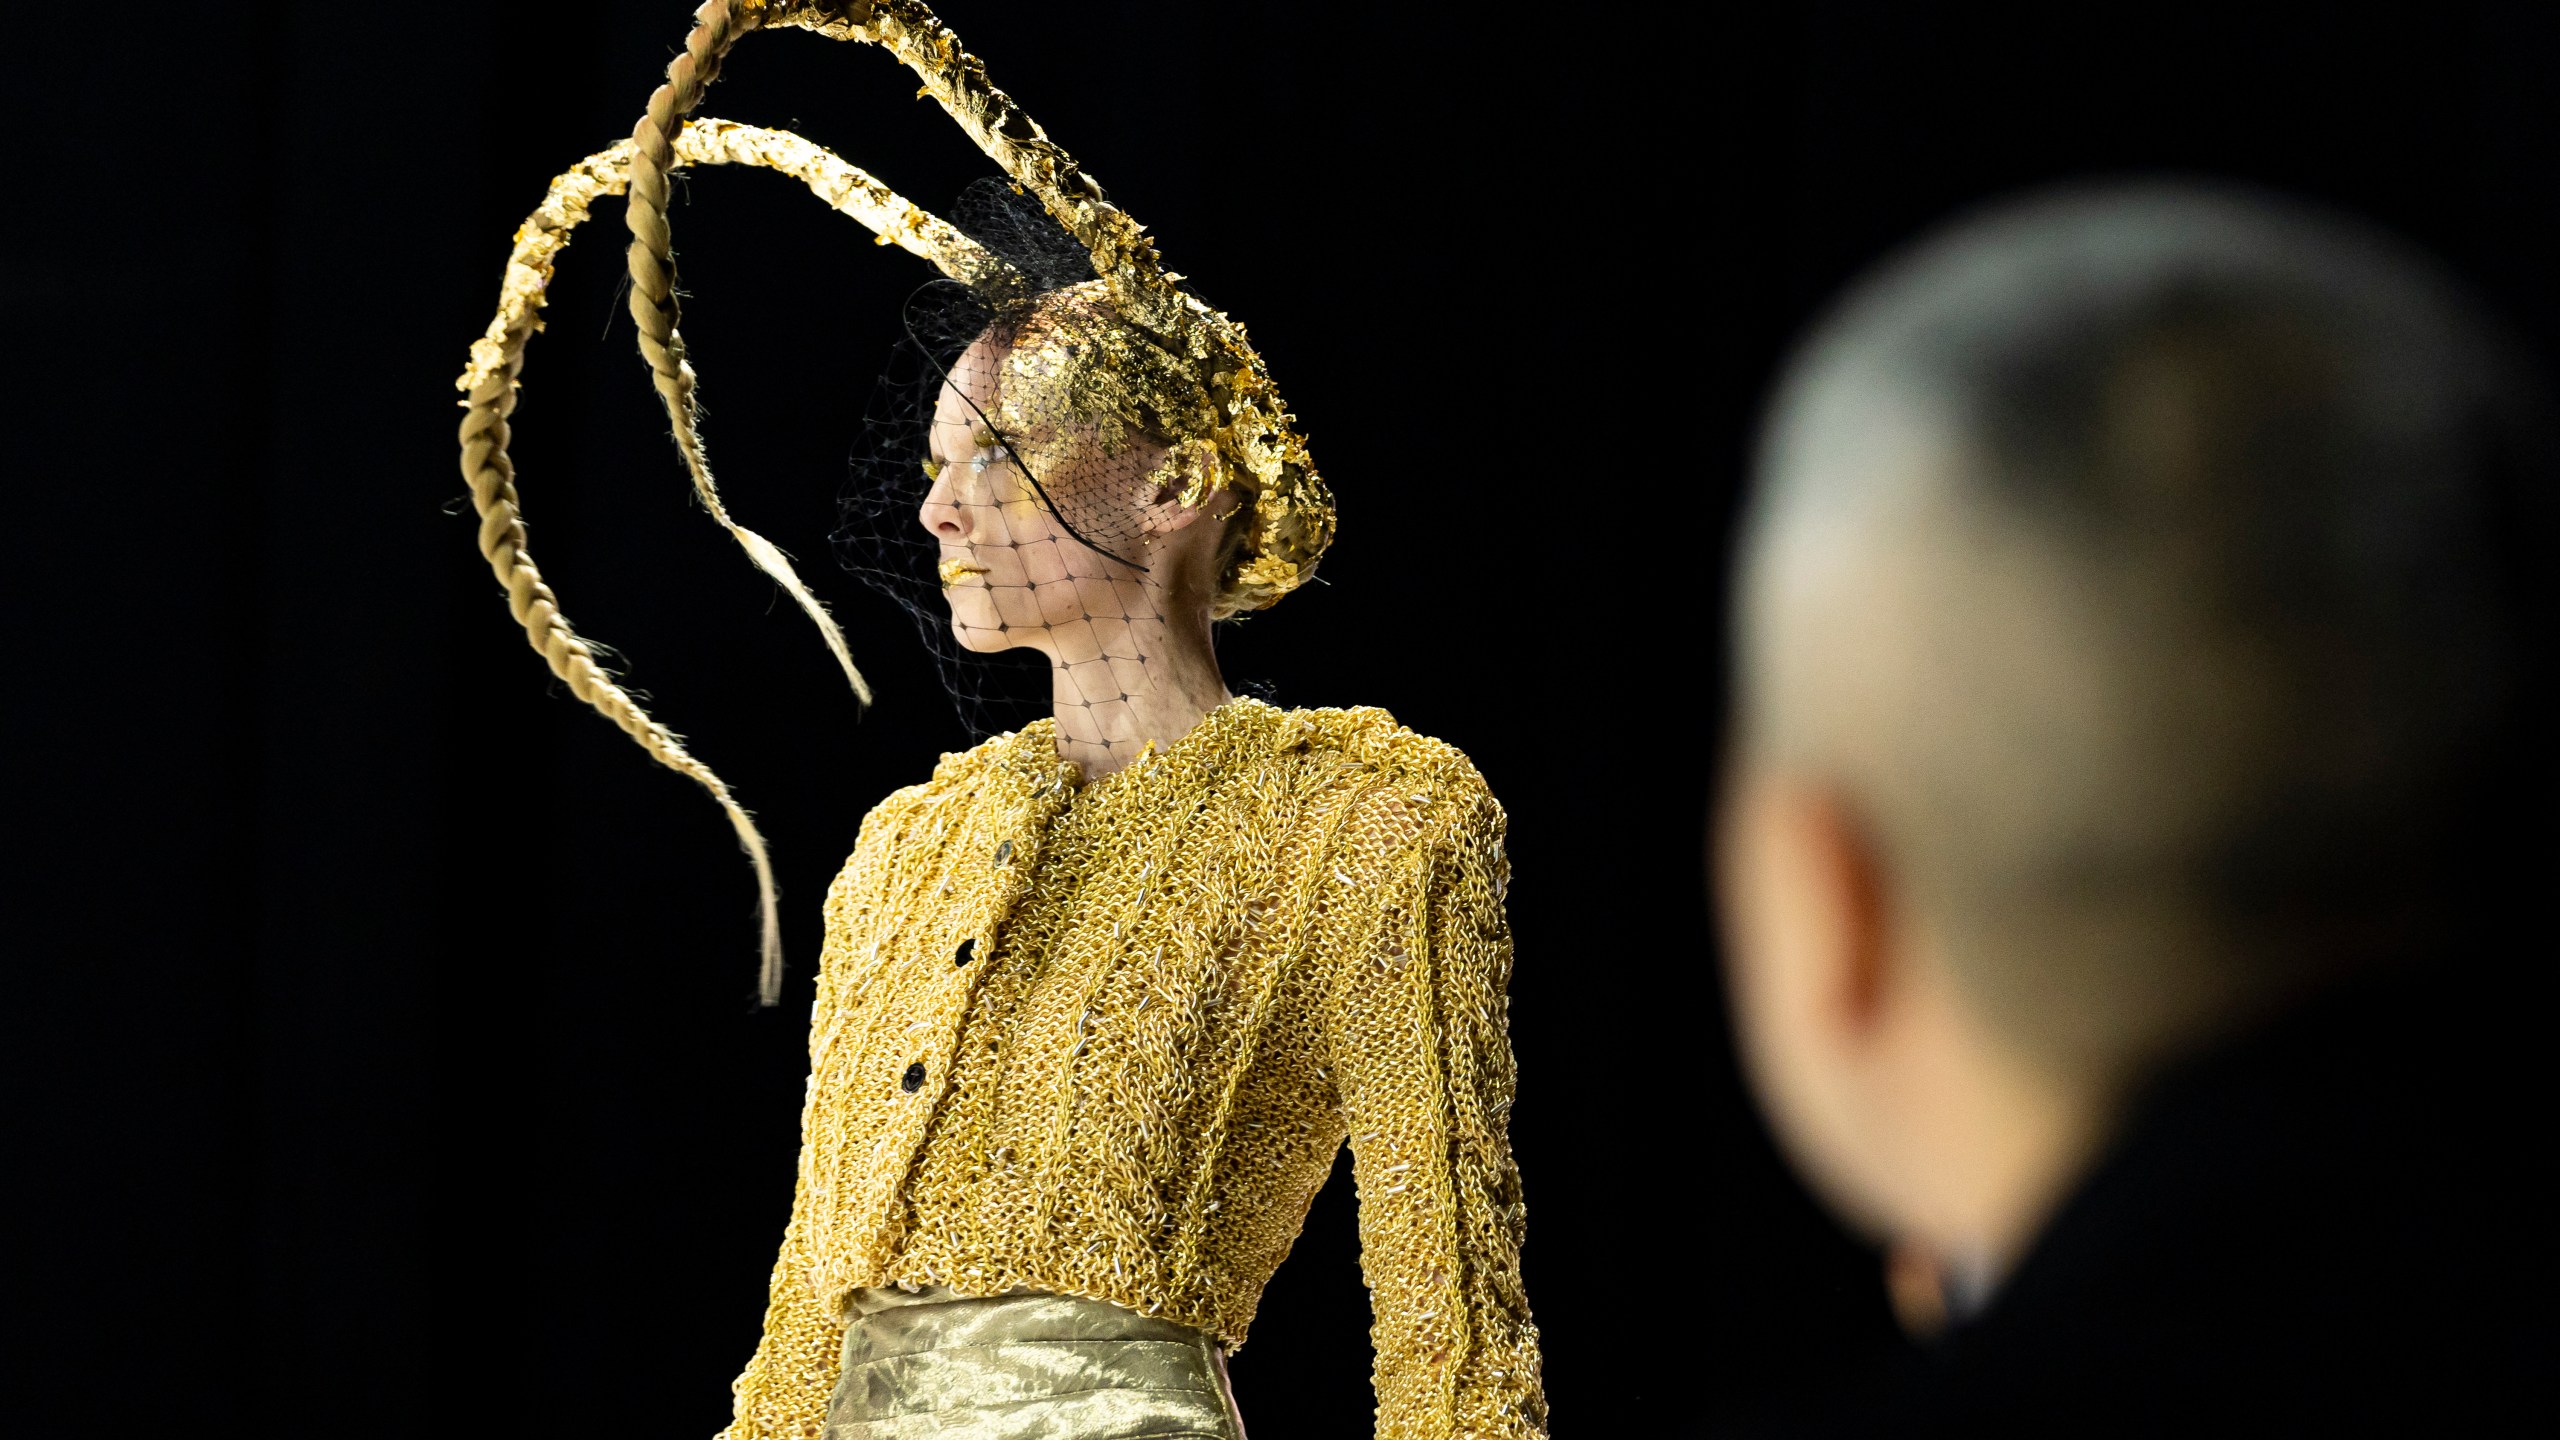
1015, 573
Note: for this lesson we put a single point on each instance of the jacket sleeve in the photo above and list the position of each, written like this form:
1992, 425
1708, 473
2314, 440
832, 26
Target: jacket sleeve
1421, 1054
785, 1388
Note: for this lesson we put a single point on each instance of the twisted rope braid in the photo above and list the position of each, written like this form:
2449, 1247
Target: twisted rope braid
1251, 427
491, 389
655, 309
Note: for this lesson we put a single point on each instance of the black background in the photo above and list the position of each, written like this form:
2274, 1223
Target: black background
379, 1055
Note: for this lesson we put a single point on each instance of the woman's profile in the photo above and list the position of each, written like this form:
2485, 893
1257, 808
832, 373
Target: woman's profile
1102, 998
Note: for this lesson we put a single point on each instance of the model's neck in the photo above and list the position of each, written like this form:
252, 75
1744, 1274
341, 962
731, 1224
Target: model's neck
1151, 683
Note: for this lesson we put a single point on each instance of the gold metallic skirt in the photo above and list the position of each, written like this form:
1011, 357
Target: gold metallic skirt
1023, 1366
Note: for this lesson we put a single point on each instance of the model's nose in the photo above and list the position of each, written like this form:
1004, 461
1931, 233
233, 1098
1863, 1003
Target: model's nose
940, 513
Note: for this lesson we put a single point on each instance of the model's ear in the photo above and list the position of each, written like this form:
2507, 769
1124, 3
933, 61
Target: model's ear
1187, 489
1167, 515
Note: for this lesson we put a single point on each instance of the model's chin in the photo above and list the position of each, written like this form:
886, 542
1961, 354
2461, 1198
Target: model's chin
980, 634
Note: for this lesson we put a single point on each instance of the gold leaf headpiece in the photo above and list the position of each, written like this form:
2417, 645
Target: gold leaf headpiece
1213, 395
1291, 518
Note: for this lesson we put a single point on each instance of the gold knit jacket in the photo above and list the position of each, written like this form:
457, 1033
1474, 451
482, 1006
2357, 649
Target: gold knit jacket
1107, 1041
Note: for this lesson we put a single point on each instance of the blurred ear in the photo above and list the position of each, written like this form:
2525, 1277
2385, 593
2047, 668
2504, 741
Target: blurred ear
1847, 870
1806, 910
1808, 967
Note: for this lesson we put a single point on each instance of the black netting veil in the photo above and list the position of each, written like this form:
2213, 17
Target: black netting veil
878, 536
1008, 484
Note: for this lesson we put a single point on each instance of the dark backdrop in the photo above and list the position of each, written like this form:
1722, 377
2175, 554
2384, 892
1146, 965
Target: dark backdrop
378, 1051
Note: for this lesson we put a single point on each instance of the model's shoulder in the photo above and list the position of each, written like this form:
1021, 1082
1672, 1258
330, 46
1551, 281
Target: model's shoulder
1368, 736
1017, 760
1029, 754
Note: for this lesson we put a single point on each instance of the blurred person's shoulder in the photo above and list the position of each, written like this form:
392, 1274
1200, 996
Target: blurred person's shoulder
2335, 1225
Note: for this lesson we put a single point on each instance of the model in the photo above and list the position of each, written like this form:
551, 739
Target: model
1101, 1000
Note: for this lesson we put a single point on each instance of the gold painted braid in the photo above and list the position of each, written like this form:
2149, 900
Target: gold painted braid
490, 385
1122, 251
654, 309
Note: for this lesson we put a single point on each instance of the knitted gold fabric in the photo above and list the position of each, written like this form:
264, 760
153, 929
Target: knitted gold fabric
1106, 1042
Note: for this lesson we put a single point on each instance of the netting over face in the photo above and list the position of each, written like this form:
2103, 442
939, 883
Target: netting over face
1016, 490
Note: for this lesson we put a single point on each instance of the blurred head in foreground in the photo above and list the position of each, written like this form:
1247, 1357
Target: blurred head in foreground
2130, 645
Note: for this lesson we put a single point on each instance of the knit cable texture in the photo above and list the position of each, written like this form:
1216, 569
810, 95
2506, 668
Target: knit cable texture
1107, 1041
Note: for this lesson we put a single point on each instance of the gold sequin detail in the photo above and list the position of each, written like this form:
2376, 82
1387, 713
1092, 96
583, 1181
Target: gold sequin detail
1106, 1042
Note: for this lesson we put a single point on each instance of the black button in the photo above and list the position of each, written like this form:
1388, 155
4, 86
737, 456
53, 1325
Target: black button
913, 1080
968, 951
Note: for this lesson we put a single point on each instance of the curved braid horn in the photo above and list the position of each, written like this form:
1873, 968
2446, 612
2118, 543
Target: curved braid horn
1122, 252
490, 385
654, 309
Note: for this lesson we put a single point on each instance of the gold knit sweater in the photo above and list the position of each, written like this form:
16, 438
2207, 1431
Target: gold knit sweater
1106, 1042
